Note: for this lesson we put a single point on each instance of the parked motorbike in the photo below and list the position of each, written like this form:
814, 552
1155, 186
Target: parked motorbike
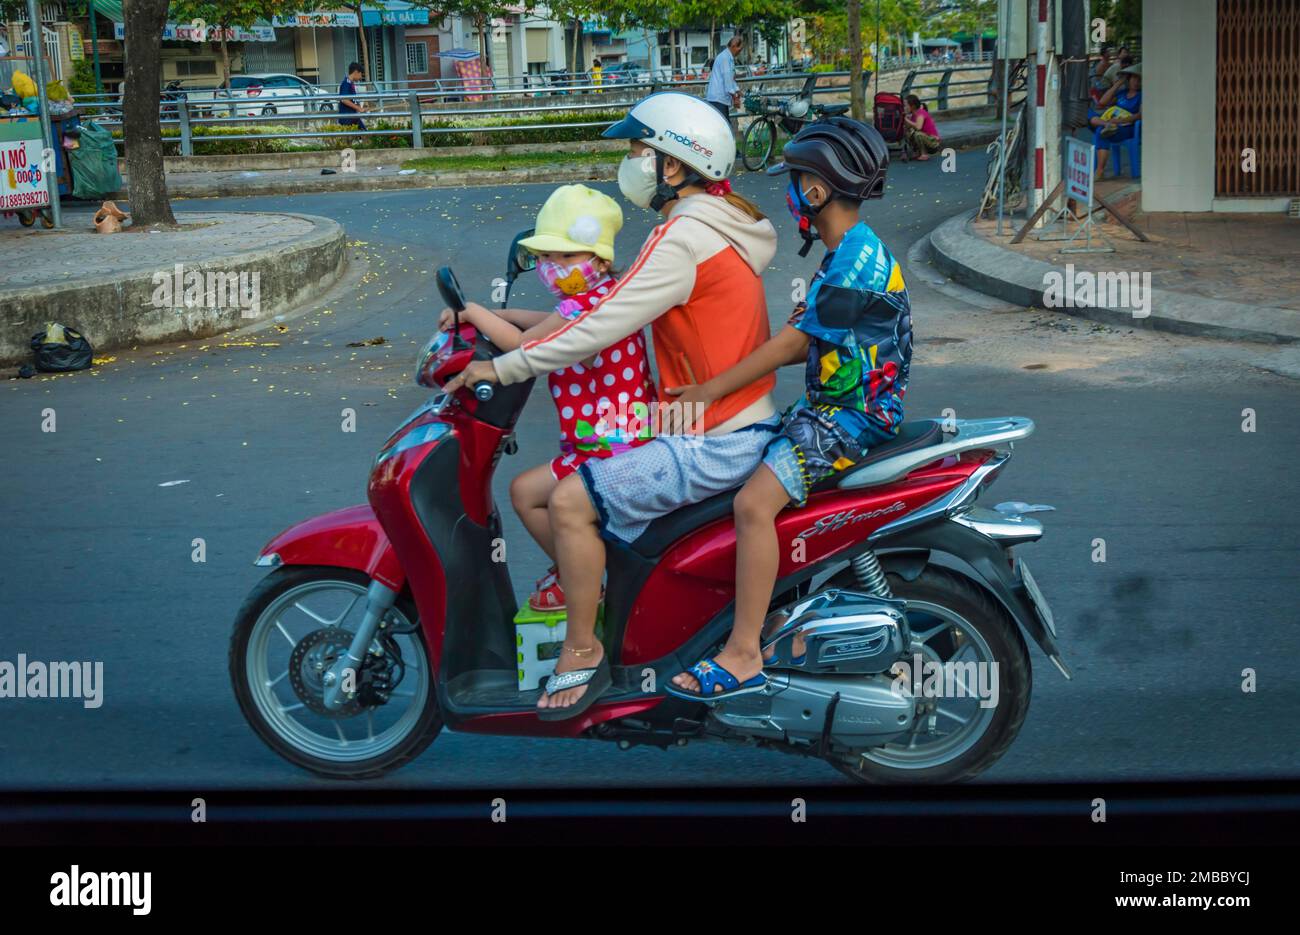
172, 95
383, 623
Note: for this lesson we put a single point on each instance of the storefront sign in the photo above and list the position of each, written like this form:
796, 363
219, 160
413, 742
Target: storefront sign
182, 32
412, 17
317, 20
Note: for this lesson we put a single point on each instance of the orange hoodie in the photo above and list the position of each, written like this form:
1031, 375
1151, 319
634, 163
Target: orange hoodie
696, 282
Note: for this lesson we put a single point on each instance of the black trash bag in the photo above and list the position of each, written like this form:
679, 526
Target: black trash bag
76, 354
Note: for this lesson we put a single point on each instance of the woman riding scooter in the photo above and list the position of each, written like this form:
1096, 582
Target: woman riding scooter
696, 282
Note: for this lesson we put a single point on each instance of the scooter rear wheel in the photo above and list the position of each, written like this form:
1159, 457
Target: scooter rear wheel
289, 631
953, 620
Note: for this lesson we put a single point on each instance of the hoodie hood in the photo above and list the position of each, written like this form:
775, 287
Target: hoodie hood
755, 241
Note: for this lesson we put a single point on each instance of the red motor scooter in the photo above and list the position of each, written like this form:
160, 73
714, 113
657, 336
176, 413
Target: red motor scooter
383, 623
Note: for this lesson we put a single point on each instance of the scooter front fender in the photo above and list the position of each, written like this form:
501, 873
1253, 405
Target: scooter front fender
347, 538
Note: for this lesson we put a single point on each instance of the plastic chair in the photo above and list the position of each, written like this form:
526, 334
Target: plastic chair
1134, 146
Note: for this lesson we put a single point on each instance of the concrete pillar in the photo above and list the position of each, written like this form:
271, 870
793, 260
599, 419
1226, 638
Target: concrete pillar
1179, 42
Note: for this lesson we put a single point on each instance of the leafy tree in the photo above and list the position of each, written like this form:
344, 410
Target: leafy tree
481, 13
226, 15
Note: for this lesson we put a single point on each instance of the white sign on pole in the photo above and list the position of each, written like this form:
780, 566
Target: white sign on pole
22, 178
1078, 170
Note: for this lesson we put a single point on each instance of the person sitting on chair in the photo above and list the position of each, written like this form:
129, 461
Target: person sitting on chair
1114, 118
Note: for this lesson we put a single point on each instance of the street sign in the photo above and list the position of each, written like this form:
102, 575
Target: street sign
1078, 170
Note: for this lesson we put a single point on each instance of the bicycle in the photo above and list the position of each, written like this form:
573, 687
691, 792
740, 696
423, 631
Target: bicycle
772, 115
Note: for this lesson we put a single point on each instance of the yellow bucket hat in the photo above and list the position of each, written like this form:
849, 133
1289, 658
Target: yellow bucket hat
576, 219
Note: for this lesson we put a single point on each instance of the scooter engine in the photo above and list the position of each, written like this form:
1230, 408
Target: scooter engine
838, 688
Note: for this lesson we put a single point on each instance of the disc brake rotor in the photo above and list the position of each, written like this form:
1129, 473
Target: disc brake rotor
314, 656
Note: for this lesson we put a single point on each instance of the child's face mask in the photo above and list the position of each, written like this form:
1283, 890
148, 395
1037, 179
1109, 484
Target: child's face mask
569, 280
802, 212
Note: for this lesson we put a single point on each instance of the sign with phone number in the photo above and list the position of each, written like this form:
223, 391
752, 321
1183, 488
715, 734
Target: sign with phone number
22, 178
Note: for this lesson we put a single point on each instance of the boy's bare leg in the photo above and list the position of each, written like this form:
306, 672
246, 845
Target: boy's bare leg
580, 554
529, 493
757, 561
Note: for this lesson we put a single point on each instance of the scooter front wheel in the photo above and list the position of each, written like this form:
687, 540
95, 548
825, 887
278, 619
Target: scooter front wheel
290, 631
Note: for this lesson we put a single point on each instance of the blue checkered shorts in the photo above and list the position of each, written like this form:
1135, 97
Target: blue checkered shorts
813, 446
632, 489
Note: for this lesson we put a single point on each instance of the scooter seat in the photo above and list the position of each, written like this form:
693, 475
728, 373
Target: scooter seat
666, 530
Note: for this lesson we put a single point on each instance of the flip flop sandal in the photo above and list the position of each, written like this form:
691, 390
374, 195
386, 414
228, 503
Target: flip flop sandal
710, 675
597, 679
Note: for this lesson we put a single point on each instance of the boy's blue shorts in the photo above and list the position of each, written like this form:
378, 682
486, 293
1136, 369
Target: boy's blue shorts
812, 445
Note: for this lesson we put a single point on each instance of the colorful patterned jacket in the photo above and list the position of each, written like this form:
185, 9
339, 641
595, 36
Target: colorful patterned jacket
859, 318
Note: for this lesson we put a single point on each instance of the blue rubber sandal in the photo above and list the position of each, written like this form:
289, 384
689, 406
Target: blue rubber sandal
710, 675
775, 659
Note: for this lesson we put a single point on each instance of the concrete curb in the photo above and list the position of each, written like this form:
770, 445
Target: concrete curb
115, 312
986, 267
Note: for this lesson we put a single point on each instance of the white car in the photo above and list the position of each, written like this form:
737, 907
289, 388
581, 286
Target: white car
261, 96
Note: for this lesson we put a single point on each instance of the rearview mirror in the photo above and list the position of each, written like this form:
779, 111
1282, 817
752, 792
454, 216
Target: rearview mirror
520, 259
450, 288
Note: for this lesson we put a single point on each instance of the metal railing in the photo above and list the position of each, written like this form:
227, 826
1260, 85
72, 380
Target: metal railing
943, 92
407, 111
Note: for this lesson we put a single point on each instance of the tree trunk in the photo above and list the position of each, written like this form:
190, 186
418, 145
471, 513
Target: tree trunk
577, 45
225, 59
484, 30
145, 20
857, 95
364, 47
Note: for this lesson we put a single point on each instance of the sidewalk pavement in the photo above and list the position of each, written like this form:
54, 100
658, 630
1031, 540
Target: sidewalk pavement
122, 289
1218, 275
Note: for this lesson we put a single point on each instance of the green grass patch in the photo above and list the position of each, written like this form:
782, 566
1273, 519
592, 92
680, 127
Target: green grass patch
508, 161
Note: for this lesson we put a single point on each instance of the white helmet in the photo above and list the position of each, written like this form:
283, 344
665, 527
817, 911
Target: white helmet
684, 127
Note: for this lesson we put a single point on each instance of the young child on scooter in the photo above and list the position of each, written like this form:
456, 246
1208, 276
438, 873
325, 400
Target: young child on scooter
854, 331
604, 402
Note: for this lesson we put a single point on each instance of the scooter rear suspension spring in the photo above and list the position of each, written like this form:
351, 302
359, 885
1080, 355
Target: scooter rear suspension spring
870, 575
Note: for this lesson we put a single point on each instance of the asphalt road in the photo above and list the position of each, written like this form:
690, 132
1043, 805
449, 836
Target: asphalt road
1140, 443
